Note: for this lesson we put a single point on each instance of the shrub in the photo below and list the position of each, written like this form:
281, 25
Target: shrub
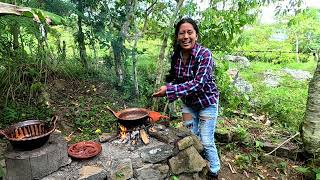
230, 98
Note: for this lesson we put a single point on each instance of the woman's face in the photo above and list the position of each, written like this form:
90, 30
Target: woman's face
187, 36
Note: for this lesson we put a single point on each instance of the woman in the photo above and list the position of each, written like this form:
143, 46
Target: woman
191, 79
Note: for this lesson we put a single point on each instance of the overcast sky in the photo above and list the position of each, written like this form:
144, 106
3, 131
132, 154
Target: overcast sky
267, 12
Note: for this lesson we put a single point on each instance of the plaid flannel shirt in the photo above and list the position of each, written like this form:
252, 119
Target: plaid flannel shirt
194, 82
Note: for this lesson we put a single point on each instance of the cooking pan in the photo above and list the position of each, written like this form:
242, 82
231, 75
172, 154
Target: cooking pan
30, 134
132, 117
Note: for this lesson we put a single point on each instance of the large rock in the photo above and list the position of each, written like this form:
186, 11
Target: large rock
167, 135
92, 173
243, 85
194, 176
156, 154
187, 161
185, 143
152, 172
270, 79
121, 170
298, 74
243, 61
197, 143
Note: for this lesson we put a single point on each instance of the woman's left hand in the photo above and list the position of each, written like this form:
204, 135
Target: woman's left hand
161, 92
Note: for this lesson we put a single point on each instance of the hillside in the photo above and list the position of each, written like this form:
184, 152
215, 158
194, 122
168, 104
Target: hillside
81, 108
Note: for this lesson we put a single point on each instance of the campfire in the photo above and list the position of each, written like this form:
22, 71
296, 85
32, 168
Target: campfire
134, 123
133, 135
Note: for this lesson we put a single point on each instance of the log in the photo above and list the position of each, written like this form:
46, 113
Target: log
144, 136
12, 9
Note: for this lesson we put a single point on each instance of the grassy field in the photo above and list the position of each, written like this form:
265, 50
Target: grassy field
284, 104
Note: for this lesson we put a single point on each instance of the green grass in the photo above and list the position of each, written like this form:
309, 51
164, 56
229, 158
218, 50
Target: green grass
285, 104
16, 112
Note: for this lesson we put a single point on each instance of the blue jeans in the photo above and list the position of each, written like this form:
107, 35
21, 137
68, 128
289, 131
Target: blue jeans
204, 129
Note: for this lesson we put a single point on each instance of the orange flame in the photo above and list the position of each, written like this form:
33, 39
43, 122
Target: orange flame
123, 132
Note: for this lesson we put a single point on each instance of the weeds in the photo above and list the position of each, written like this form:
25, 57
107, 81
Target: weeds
243, 161
284, 104
258, 146
310, 172
15, 112
241, 134
2, 173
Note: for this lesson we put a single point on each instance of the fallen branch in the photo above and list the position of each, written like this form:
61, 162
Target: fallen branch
6, 8
246, 174
231, 169
284, 142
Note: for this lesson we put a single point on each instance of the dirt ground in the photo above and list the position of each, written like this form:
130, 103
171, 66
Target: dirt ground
269, 168
264, 170
64, 92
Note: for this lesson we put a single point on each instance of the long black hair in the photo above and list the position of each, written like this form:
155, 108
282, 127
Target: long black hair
176, 46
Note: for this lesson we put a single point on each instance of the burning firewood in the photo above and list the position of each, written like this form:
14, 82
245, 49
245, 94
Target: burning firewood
144, 136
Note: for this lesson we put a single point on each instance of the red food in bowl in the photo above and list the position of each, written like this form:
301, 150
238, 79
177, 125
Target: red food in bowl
84, 149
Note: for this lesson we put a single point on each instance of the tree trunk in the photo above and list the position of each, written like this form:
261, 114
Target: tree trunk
61, 50
64, 53
30, 49
80, 37
117, 46
94, 52
134, 52
118, 53
160, 70
297, 49
146, 15
15, 31
311, 125
161, 59
134, 61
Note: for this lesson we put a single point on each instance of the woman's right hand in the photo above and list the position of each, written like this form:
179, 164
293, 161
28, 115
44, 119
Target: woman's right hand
161, 92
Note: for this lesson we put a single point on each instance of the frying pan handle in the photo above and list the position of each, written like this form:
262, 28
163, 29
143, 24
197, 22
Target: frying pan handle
164, 117
156, 116
113, 112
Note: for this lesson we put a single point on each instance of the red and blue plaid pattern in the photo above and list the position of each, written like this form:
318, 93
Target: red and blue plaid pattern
195, 83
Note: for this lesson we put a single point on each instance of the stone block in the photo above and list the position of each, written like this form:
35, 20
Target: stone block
121, 170
185, 143
37, 163
92, 173
187, 161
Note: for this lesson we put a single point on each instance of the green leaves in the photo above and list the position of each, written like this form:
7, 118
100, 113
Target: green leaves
1, 172
40, 15
56, 19
27, 14
36, 87
304, 28
302, 170
312, 173
175, 178
222, 27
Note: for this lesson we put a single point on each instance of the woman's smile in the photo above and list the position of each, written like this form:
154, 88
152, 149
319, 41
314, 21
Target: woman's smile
187, 36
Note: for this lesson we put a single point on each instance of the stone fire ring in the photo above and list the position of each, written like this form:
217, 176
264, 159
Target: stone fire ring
84, 149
